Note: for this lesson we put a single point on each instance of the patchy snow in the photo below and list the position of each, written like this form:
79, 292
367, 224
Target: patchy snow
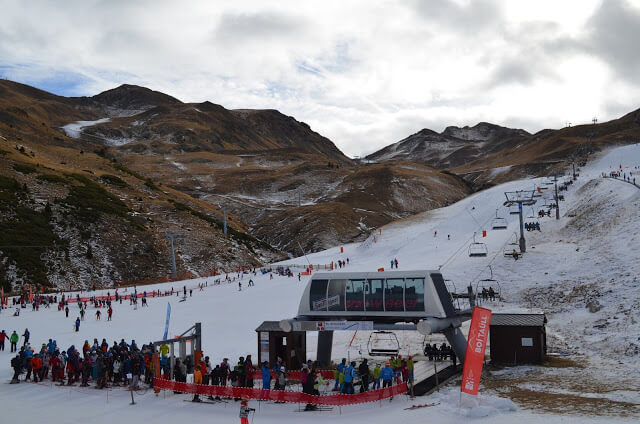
589, 254
499, 170
179, 165
74, 130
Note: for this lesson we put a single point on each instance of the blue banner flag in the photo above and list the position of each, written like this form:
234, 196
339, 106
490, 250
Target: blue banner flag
166, 325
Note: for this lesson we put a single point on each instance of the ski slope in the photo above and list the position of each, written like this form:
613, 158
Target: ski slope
591, 253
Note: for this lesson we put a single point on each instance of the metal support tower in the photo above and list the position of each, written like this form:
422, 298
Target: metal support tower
171, 237
522, 197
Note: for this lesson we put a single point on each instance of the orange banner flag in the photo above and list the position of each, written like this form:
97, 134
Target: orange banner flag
476, 345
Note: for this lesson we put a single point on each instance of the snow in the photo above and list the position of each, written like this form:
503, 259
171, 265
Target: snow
74, 130
179, 166
589, 254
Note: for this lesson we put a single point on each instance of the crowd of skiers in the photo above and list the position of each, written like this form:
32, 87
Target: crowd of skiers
119, 363
442, 353
532, 226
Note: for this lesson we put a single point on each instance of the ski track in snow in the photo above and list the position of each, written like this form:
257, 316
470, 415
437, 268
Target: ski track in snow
591, 255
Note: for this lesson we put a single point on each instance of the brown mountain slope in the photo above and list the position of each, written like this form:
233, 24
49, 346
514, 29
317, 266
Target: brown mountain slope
551, 150
68, 216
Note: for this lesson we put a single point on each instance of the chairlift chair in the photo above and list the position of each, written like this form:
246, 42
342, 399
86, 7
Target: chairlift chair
477, 249
499, 223
488, 282
513, 245
514, 210
383, 343
453, 293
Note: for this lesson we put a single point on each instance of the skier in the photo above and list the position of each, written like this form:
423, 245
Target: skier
266, 375
395, 262
82, 312
109, 313
363, 370
77, 324
349, 374
98, 314
26, 336
16, 364
387, 375
245, 411
197, 379
3, 336
66, 311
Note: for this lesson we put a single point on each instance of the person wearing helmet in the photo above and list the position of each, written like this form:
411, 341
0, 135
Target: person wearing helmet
387, 375
245, 411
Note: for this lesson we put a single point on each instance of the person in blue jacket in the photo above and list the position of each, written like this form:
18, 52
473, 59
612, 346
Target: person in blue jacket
349, 375
51, 346
387, 375
266, 375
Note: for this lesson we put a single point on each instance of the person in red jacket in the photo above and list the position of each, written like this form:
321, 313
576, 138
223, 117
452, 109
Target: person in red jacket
55, 363
36, 367
3, 337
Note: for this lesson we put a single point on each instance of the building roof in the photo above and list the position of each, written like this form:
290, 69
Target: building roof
269, 326
518, 320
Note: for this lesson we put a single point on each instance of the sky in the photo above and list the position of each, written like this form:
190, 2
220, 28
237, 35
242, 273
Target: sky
363, 73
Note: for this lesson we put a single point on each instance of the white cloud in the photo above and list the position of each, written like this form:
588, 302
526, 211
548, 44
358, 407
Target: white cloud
363, 73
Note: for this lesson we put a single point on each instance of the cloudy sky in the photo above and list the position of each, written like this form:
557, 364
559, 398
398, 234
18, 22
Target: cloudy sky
363, 73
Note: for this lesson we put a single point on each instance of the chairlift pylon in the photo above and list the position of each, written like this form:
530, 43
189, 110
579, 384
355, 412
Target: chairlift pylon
477, 249
383, 343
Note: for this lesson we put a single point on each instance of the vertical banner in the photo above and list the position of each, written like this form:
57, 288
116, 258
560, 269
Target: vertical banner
30, 294
166, 324
476, 344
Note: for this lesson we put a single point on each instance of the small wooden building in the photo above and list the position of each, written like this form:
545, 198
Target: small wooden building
518, 338
273, 343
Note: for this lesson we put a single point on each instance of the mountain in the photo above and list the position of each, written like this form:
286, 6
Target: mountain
129, 99
550, 151
138, 162
450, 148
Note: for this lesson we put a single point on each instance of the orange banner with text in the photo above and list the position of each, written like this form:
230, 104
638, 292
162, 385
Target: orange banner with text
476, 345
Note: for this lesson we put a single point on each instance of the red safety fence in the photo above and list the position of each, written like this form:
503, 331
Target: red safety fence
280, 395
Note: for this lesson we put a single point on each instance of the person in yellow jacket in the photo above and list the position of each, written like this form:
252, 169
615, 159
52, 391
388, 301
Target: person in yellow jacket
376, 377
197, 379
392, 363
164, 350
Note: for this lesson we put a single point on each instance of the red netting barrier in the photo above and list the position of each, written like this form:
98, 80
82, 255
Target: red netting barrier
279, 395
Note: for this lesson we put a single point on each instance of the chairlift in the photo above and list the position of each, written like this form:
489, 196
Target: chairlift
383, 343
453, 293
487, 283
514, 210
477, 249
532, 215
511, 246
499, 223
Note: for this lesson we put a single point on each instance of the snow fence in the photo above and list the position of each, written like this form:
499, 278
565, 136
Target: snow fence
280, 395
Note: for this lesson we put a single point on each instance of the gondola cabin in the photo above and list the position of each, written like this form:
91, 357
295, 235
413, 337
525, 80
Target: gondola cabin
392, 296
